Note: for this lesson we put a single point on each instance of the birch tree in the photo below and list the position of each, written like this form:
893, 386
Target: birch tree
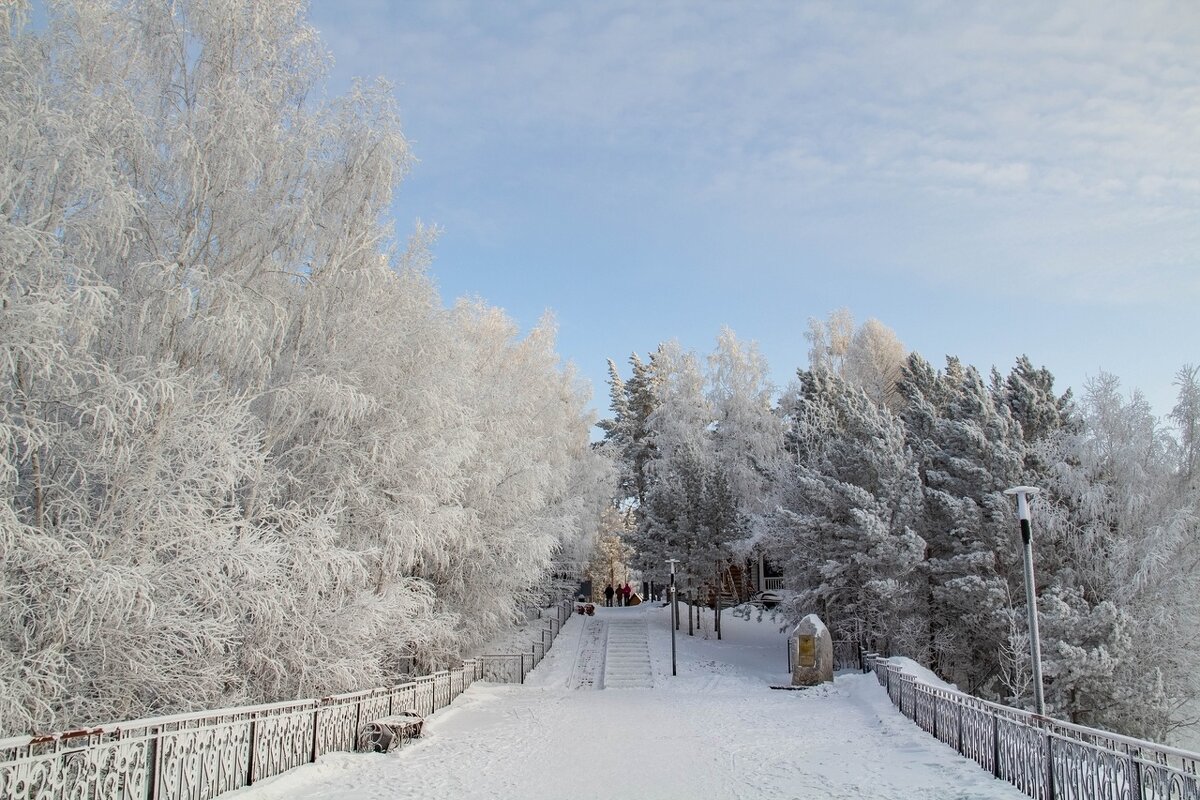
248, 455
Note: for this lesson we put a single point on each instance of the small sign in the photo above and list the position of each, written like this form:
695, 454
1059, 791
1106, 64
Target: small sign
807, 647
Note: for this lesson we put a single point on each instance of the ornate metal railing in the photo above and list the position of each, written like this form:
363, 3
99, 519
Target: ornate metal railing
1045, 758
201, 755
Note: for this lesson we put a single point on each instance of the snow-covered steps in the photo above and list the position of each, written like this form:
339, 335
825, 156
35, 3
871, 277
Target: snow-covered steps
627, 655
589, 658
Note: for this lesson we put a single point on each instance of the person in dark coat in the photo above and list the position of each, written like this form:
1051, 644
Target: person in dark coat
608, 594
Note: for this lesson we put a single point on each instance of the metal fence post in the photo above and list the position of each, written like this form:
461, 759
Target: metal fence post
1136, 765
1049, 765
253, 749
936, 704
995, 744
316, 727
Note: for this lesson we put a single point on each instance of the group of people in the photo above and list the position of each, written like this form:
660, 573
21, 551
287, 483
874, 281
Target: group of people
621, 593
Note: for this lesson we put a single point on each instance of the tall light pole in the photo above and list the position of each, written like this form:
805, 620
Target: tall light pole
674, 610
1035, 644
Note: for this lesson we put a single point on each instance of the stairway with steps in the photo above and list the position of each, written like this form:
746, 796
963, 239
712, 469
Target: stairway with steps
627, 655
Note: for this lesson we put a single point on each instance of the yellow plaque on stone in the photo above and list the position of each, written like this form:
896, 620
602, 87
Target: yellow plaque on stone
807, 645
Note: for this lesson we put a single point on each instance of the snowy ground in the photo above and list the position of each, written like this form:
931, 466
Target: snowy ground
715, 731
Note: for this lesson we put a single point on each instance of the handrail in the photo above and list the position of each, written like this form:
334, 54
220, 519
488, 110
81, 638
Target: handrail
201, 754
1044, 757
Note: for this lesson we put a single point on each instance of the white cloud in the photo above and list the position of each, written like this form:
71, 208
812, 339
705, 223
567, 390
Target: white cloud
1061, 136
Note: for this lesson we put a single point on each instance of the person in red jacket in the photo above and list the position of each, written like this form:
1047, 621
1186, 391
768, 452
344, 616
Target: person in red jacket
626, 590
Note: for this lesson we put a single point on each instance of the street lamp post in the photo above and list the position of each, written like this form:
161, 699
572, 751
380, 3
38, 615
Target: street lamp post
1035, 644
674, 611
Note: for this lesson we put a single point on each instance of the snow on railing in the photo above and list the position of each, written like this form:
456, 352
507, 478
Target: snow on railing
1045, 758
200, 755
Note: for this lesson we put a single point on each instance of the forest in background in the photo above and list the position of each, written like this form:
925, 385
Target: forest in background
875, 483
247, 452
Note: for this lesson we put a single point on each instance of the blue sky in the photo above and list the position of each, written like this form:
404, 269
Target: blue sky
986, 179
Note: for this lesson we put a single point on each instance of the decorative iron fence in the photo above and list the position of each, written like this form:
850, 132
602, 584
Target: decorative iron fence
1045, 758
201, 755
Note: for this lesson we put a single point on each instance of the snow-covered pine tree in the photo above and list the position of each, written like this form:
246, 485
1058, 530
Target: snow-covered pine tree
1030, 396
673, 517
626, 433
844, 531
970, 451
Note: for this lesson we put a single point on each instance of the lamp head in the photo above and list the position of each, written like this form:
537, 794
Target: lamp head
1023, 493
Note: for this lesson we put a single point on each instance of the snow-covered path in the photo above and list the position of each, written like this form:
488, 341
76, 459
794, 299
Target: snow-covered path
588, 671
715, 731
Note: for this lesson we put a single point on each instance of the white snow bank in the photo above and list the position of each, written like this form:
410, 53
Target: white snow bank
331, 768
818, 626
923, 674
715, 730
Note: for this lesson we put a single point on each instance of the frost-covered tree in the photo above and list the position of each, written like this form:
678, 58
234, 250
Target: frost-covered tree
247, 453
1091, 667
611, 558
1031, 398
829, 342
747, 437
869, 357
1126, 537
844, 531
1186, 416
626, 433
969, 450
675, 518
700, 449
874, 362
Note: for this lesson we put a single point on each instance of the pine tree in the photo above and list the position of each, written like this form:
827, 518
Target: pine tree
672, 520
970, 451
1030, 397
845, 530
626, 433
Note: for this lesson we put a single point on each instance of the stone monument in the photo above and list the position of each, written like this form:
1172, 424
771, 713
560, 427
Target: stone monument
812, 652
